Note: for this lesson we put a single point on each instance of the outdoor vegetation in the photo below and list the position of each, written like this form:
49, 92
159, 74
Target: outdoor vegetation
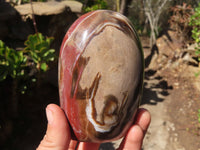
195, 24
26, 64
32, 59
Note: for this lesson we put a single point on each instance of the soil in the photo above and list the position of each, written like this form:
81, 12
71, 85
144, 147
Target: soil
174, 115
171, 94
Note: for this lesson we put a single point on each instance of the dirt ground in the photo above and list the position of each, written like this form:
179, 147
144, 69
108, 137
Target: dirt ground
174, 123
172, 95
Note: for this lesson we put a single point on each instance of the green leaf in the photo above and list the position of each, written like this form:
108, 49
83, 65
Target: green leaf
42, 46
44, 67
197, 74
49, 40
197, 52
33, 80
51, 51
1, 44
40, 37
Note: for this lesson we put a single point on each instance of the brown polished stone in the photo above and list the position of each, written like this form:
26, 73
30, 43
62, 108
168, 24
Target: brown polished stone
100, 76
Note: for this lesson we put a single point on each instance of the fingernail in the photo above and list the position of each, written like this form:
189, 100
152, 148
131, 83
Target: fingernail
49, 115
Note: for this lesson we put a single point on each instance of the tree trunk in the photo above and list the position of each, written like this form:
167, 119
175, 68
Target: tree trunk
153, 16
118, 5
141, 14
123, 6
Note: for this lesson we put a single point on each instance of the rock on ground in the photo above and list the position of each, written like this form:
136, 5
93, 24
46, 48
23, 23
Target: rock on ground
49, 8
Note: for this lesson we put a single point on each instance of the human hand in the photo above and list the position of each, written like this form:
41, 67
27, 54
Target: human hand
58, 136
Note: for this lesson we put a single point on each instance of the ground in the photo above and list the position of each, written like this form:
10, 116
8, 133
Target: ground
174, 118
174, 105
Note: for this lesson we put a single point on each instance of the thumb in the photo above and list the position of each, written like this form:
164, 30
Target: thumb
58, 135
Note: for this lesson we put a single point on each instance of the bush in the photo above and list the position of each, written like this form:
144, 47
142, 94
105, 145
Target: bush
92, 5
25, 64
38, 49
12, 62
195, 24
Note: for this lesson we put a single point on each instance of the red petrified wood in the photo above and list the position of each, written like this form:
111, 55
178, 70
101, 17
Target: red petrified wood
100, 76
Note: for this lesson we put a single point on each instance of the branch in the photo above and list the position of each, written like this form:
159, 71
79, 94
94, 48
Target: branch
117, 4
161, 7
33, 17
123, 6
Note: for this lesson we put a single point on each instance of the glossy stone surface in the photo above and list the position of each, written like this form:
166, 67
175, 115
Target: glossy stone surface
100, 76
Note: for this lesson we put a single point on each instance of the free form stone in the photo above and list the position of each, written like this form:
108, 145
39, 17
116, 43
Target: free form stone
100, 76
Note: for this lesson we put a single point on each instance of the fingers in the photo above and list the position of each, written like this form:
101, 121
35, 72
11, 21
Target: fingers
133, 140
58, 132
73, 145
143, 119
135, 135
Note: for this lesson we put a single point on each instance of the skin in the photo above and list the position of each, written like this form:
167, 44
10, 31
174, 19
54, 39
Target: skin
58, 136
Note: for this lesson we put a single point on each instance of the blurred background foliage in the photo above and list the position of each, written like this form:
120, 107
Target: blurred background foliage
26, 63
91, 5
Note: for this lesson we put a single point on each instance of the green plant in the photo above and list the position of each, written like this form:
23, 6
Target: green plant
195, 23
91, 5
139, 28
12, 62
25, 64
38, 49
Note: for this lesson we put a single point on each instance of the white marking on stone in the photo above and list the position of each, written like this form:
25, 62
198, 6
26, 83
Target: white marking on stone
98, 127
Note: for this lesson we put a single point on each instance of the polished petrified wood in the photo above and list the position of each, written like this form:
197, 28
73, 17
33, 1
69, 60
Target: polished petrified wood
100, 76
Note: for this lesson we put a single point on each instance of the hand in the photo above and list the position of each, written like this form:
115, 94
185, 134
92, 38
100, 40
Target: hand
58, 136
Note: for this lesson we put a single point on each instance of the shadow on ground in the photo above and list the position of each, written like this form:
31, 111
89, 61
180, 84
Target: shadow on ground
155, 88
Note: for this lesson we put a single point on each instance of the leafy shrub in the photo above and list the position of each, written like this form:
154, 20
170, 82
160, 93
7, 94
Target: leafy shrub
12, 62
38, 49
24, 64
92, 5
195, 23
